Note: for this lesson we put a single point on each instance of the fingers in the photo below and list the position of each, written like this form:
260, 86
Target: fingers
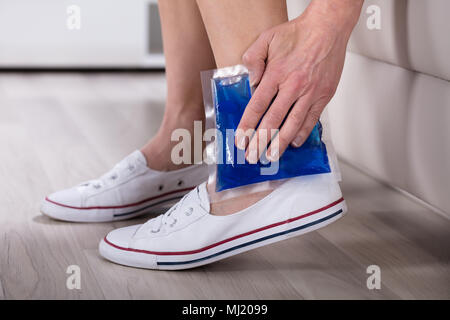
255, 109
308, 125
290, 129
269, 125
255, 58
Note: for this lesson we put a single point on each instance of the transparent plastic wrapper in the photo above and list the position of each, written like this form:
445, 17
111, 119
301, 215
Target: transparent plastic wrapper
226, 93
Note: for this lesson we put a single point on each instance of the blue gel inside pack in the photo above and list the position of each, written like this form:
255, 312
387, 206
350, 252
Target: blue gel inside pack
230, 100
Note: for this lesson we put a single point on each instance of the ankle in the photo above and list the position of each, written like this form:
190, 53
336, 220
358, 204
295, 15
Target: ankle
158, 150
157, 153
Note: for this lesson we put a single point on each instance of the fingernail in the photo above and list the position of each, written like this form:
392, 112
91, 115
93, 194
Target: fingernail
272, 156
240, 142
297, 142
252, 156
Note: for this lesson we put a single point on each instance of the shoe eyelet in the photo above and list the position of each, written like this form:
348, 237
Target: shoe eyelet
189, 212
113, 177
131, 167
155, 231
180, 183
97, 186
173, 223
160, 187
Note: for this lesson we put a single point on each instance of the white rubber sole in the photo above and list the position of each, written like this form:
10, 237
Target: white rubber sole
295, 226
104, 214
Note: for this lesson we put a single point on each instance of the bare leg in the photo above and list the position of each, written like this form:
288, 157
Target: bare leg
187, 52
232, 26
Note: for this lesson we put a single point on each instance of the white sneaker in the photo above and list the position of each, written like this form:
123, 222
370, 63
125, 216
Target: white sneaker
128, 190
188, 236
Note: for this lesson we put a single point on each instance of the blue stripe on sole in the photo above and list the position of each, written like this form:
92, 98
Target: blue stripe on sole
254, 241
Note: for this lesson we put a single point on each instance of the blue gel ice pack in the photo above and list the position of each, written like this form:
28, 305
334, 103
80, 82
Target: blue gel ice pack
230, 99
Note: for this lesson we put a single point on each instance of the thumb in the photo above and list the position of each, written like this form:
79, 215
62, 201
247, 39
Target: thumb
255, 58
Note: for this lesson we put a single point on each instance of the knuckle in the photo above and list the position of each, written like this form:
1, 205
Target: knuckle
329, 90
300, 76
296, 117
298, 80
274, 118
314, 115
256, 108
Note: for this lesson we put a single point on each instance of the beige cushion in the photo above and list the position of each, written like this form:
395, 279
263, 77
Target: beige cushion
394, 124
388, 119
414, 34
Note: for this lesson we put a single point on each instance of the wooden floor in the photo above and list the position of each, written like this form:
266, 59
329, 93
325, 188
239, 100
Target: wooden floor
57, 130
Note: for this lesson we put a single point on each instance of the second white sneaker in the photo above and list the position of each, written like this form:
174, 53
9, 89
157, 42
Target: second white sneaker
128, 190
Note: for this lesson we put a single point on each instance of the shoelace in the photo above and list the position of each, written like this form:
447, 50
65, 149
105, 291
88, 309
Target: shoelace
109, 176
171, 217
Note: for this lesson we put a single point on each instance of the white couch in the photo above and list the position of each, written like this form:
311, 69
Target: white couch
391, 113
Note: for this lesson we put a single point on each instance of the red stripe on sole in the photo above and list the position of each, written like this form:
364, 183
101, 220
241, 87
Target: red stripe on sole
122, 206
229, 239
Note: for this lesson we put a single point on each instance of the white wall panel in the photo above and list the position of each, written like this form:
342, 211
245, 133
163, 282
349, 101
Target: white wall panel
113, 33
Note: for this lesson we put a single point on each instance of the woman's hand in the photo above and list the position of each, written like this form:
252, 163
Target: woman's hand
297, 65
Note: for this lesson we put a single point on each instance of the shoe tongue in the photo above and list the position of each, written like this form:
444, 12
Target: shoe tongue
135, 157
203, 196
199, 194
